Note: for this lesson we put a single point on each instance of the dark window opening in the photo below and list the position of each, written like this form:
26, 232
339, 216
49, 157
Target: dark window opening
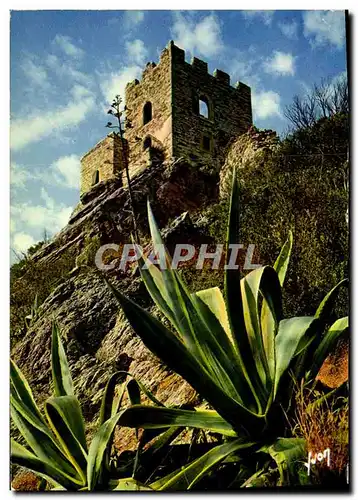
206, 143
95, 177
203, 107
195, 105
147, 112
147, 143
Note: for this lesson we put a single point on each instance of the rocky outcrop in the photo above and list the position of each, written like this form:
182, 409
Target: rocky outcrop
97, 338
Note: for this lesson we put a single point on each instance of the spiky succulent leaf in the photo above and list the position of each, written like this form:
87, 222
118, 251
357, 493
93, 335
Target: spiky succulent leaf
61, 376
186, 477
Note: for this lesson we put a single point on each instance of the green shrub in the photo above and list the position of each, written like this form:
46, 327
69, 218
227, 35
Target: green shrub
36, 282
300, 184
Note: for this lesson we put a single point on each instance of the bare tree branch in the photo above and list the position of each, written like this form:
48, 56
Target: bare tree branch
324, 100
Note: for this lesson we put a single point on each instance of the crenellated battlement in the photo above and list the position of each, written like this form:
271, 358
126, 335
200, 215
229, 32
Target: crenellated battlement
176, 56
176, 109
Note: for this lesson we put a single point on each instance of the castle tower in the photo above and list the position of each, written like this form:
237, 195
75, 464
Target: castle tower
184, 111
176, 110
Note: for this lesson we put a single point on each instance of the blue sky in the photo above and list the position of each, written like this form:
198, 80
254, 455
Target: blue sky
66, 66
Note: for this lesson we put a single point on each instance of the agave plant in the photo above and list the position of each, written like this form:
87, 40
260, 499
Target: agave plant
56, 449
236, 350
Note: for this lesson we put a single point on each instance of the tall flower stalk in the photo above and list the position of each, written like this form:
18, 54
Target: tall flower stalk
116, 111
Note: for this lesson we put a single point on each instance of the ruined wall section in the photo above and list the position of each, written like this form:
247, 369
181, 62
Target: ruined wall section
230, 111
106, 157
154, 87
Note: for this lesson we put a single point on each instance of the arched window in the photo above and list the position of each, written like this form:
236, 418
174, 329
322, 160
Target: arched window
203, 107
147, 143
95, 177
147, 112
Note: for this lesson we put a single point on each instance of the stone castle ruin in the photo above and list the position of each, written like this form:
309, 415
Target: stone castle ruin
177, 110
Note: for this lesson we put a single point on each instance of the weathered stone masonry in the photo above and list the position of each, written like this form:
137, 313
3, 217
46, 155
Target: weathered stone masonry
104, 161
164, 118
229, 110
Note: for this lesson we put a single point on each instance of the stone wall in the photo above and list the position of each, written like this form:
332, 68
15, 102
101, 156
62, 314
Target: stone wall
229, 110
106, 158
154, 87
175, 128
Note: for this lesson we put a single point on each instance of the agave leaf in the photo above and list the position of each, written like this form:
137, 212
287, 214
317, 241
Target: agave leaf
220, 354
283, 259
173, 294
133, 392
149, 394
191, 325
271, 314
257, 479
286, 452
327, 343
153, 280
263, 280
155, 417
39, 438
66, 420
127, 484
214, 300
45, 469
312, 341
61, 375
163, 439
218, 357
196, 333
186, 477
109, 407
164, 344
325, 308
290, 332
110, 402
21, 389
96, 473
234, 301
199, 329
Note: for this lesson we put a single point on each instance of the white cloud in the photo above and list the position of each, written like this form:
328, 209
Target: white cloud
132, 18
53, 216
41, 124
136, 51
266, 104
67, 71
289, 29
35, 73
115, 83
18, 175
324, 27
280, 63
266, 16
202, 37
69, 48
21, 242
66, 171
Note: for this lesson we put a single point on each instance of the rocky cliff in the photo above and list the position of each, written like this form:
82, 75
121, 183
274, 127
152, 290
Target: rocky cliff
98, 339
